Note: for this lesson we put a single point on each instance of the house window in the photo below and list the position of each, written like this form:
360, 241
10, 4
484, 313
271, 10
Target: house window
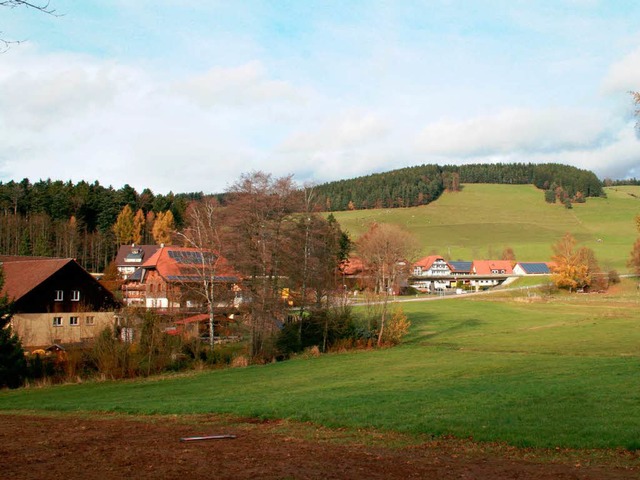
59, 295
57, 321
89, 321
74, 321
75, 295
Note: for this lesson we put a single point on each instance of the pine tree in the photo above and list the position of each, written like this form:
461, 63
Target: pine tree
13, 366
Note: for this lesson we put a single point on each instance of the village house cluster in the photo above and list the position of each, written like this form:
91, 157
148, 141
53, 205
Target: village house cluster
57, 302
435, 274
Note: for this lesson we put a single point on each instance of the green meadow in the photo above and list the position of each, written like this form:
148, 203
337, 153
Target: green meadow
481, 220
526, 368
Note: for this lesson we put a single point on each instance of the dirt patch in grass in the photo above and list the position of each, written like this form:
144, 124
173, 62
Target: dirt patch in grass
83, 446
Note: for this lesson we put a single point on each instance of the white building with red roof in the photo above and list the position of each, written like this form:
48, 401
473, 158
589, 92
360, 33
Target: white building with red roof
431, 266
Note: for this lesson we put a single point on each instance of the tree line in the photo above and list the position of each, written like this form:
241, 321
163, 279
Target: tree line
66, 219
420, 185
81, 220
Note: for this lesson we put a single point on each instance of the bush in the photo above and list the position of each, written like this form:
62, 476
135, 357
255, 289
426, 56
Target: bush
397, 327
614, 278
13, 366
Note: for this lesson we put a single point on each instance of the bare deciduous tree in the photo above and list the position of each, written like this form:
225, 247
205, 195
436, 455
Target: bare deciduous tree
43, 7
258, 209
636, 100
205, 233
387, 251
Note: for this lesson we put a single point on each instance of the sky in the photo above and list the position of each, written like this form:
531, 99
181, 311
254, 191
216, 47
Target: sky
188, 95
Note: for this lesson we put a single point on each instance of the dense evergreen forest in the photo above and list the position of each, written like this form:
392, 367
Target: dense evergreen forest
423, 184
63, 219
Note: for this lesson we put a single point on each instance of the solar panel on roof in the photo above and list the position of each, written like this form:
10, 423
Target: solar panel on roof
191, 257
197, 278
460, 266
134, 257
136, 275
535, 268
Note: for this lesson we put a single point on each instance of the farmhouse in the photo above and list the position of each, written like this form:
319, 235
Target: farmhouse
172, 280
56, 301
490, 273
433, 273
431, 266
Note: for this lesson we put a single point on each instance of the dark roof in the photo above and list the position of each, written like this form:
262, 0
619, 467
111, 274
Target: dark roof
190, 257
532, 268
136, 276
460, 266
131, 255
23, 274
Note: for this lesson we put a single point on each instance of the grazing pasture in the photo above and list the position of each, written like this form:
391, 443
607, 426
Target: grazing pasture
519, 367
481, 220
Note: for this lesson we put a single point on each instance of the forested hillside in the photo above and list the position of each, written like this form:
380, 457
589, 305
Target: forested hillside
421, 185
55, 218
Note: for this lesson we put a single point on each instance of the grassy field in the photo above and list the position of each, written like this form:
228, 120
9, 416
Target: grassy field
481, 220
527, 369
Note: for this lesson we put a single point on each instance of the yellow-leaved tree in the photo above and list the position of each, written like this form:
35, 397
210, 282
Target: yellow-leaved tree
574, 268
138, 227
123, 228
634, 259
163, 227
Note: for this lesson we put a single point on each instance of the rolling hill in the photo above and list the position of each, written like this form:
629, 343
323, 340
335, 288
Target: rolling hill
482, 219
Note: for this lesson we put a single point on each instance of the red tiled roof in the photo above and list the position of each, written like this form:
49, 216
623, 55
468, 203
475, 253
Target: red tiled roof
23, 274
169, 268
485, 267
426, 262
352, 266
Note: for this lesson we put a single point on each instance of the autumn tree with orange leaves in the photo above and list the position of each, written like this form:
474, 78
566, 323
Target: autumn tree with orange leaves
575, 268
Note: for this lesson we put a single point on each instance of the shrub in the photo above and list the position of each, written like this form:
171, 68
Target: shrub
397, 327
614, 278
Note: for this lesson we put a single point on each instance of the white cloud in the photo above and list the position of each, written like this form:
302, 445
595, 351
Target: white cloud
244, 85
514, 131
624, 75
619, 157
348, 130
39, 90
71, 117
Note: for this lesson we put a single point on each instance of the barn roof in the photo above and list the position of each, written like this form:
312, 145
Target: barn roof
23, 274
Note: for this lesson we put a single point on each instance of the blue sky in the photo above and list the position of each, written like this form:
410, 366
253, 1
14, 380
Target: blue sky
187, 95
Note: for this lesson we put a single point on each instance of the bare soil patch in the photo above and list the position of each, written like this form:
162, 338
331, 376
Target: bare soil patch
114, 447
